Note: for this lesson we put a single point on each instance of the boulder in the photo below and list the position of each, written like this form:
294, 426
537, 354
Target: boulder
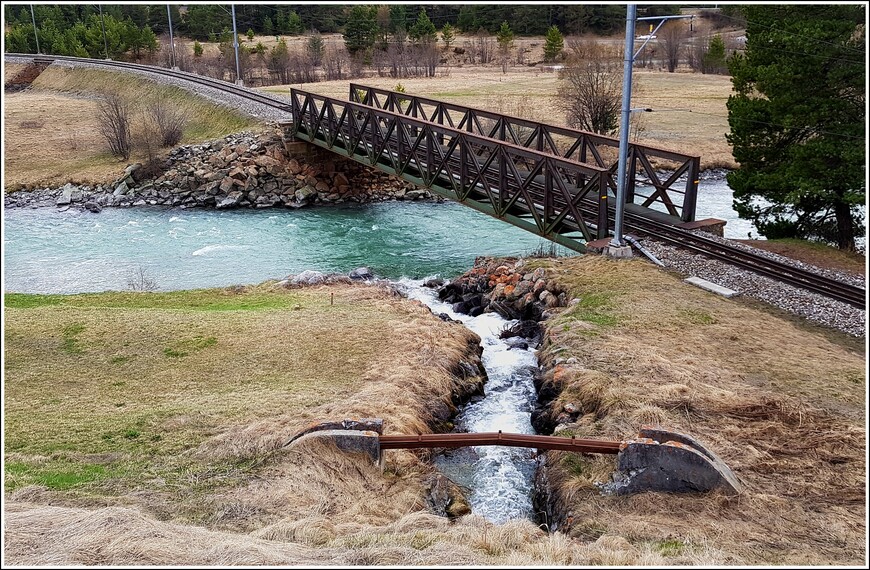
361, 274
231, 201
92, 206
121, 189
308, 277
65, 195
305, 193
226, 184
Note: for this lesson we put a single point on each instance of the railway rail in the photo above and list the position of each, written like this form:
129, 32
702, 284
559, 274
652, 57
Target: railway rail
634, 223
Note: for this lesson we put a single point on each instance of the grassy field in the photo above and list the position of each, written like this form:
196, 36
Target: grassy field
146, 428
814, 253
107, 393
52, 132
781, 401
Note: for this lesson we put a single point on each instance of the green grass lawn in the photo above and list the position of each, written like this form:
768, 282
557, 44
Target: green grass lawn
106, 392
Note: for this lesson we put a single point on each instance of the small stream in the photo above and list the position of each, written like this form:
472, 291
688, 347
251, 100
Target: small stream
499, 479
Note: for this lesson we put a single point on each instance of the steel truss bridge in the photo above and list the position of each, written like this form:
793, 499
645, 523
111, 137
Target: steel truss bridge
529, 174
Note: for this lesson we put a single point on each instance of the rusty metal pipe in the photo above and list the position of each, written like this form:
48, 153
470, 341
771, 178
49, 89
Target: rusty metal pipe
425, 441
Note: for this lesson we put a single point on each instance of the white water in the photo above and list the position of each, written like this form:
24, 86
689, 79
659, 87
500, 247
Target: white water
500, 479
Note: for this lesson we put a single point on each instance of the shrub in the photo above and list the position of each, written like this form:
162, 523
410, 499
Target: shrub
114, 120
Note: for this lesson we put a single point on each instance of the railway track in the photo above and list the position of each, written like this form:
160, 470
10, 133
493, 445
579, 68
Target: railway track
192, 77
783, 272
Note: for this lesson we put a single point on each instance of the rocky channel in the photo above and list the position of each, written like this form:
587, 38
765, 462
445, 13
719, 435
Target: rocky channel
244, 170
520, 292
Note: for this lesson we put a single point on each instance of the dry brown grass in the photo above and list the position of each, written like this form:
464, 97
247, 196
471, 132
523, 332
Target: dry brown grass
217, 487
67, 146
782, 402
179, 403
40, 535
814, 253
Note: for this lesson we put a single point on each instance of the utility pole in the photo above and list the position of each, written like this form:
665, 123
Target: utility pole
618, 248
236, 47
172, 62
103, 25
35, 31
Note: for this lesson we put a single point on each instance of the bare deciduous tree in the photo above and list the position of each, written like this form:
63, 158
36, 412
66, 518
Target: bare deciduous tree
114, 120
169, 120
146, 137
139, 280
672, 38
302, 68
481, 48
335, 63
590, 88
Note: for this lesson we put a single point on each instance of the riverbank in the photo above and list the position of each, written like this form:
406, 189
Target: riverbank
626, 345
784, 409
182, 417
165, 438
244, 170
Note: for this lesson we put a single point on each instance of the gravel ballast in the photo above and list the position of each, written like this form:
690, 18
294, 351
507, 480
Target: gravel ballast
813, 306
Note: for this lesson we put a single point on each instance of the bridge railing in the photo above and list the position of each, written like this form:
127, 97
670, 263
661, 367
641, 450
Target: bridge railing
677, 196
541, 192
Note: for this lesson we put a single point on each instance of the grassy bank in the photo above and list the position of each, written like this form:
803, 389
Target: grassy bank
175, 402
814, 253
781, 401
146, 428
52, 130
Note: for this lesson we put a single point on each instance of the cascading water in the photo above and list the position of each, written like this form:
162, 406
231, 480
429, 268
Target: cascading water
499, 479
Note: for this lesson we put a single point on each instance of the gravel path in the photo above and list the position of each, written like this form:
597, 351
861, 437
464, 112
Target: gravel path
253, 109
815, 307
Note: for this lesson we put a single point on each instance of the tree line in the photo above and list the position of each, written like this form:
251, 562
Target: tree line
205, 22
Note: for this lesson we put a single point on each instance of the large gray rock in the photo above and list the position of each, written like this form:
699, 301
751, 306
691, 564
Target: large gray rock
308, 277
121, 189
92, 206
361, 274
66, 194
305, 193
231, 201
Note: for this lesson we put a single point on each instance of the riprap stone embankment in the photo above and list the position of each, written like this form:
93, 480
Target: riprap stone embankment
244, 170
